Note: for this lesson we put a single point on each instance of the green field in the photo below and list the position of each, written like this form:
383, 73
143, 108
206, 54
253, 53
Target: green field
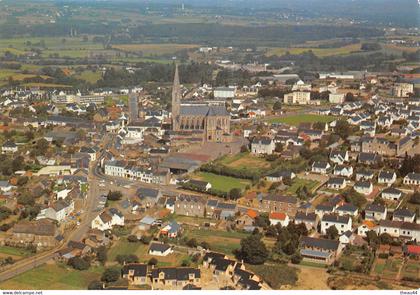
6, 250
123, 247
295, 120
320, 52
53, 277
222, 183
220, 241
300, 183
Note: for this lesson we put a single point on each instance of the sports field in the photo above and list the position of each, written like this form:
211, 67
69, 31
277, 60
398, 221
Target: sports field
222, 183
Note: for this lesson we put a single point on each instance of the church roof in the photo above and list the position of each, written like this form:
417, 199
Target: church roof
203, 111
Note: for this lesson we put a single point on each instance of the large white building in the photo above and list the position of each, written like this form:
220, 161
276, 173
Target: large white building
224, 92
297, 97
402, 89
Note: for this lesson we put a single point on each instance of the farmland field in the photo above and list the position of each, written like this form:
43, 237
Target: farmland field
305, 118
245, 161
53, 277
222, 183
320, 52
154, 49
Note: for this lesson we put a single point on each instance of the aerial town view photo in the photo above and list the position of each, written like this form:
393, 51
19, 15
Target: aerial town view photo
213, 145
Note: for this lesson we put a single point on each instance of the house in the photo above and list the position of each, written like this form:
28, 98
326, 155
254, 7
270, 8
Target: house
342, 170
367, 226
175, 277
40, 233
247, 219
222, 267
341, 223
279, 203
336, 183
375, 212
190, 205
387, 177
263, 146
278, 218
159, 249
310, 220
278, 176
135, 273
364, 175
5, 186
347, 209
346, 238
148, 196
400, 229
403, 214
146, 223
9, 147
319, 250
363, 187
108, 219
412, 250
391, 193
320, 167
225, 211
324, 208
58, 211
171, 230
412, 179
339, 157
369, 158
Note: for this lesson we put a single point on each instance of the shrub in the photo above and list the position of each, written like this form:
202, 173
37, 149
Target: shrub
152, 261
132, 239
78, 263
129, 258
110, 275
383, 255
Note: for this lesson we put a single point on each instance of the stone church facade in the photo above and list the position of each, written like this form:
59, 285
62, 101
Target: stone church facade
211, 121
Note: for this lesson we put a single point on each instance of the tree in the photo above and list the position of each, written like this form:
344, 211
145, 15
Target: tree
343, 129
350, 97
235, 193
205, 245
132, 239
95, 285
78, 263
277, 106
296, 258
101, 254
152, 261
262, 220
415, 198
192, 243
244, 148
114, 195
110, 275
126, 258
253, 250
385, 239
372, 238
332, 232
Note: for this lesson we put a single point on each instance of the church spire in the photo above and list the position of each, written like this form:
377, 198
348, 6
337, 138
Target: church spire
176, 99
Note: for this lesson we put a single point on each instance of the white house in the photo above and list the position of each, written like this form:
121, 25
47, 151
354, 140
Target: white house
62, 194
5, 186
9, 147
366, 226
263, 146
342, 170
107, 219
321, 167
341, 223
336, 183
412, 179
387, 177
59, 210
391, 193
310, 220
403, 214
347, 209
375, 212
363, 187
346, 238
400, 229
159, 249
297, 97
339, 157
278, 217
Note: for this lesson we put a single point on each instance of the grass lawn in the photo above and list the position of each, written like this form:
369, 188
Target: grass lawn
89, 76
244, 161
220, 241
123, 247
295, 120
411, 269
53, 277
222, 183
6, 250
300, 183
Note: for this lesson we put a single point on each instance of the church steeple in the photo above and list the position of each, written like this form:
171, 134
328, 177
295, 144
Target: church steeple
176, 99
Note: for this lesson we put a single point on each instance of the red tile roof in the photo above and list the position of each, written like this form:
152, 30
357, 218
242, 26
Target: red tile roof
277, 215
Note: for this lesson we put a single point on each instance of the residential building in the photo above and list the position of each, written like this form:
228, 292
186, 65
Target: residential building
375, 212
341, 223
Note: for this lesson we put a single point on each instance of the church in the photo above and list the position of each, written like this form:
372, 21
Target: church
210, 120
